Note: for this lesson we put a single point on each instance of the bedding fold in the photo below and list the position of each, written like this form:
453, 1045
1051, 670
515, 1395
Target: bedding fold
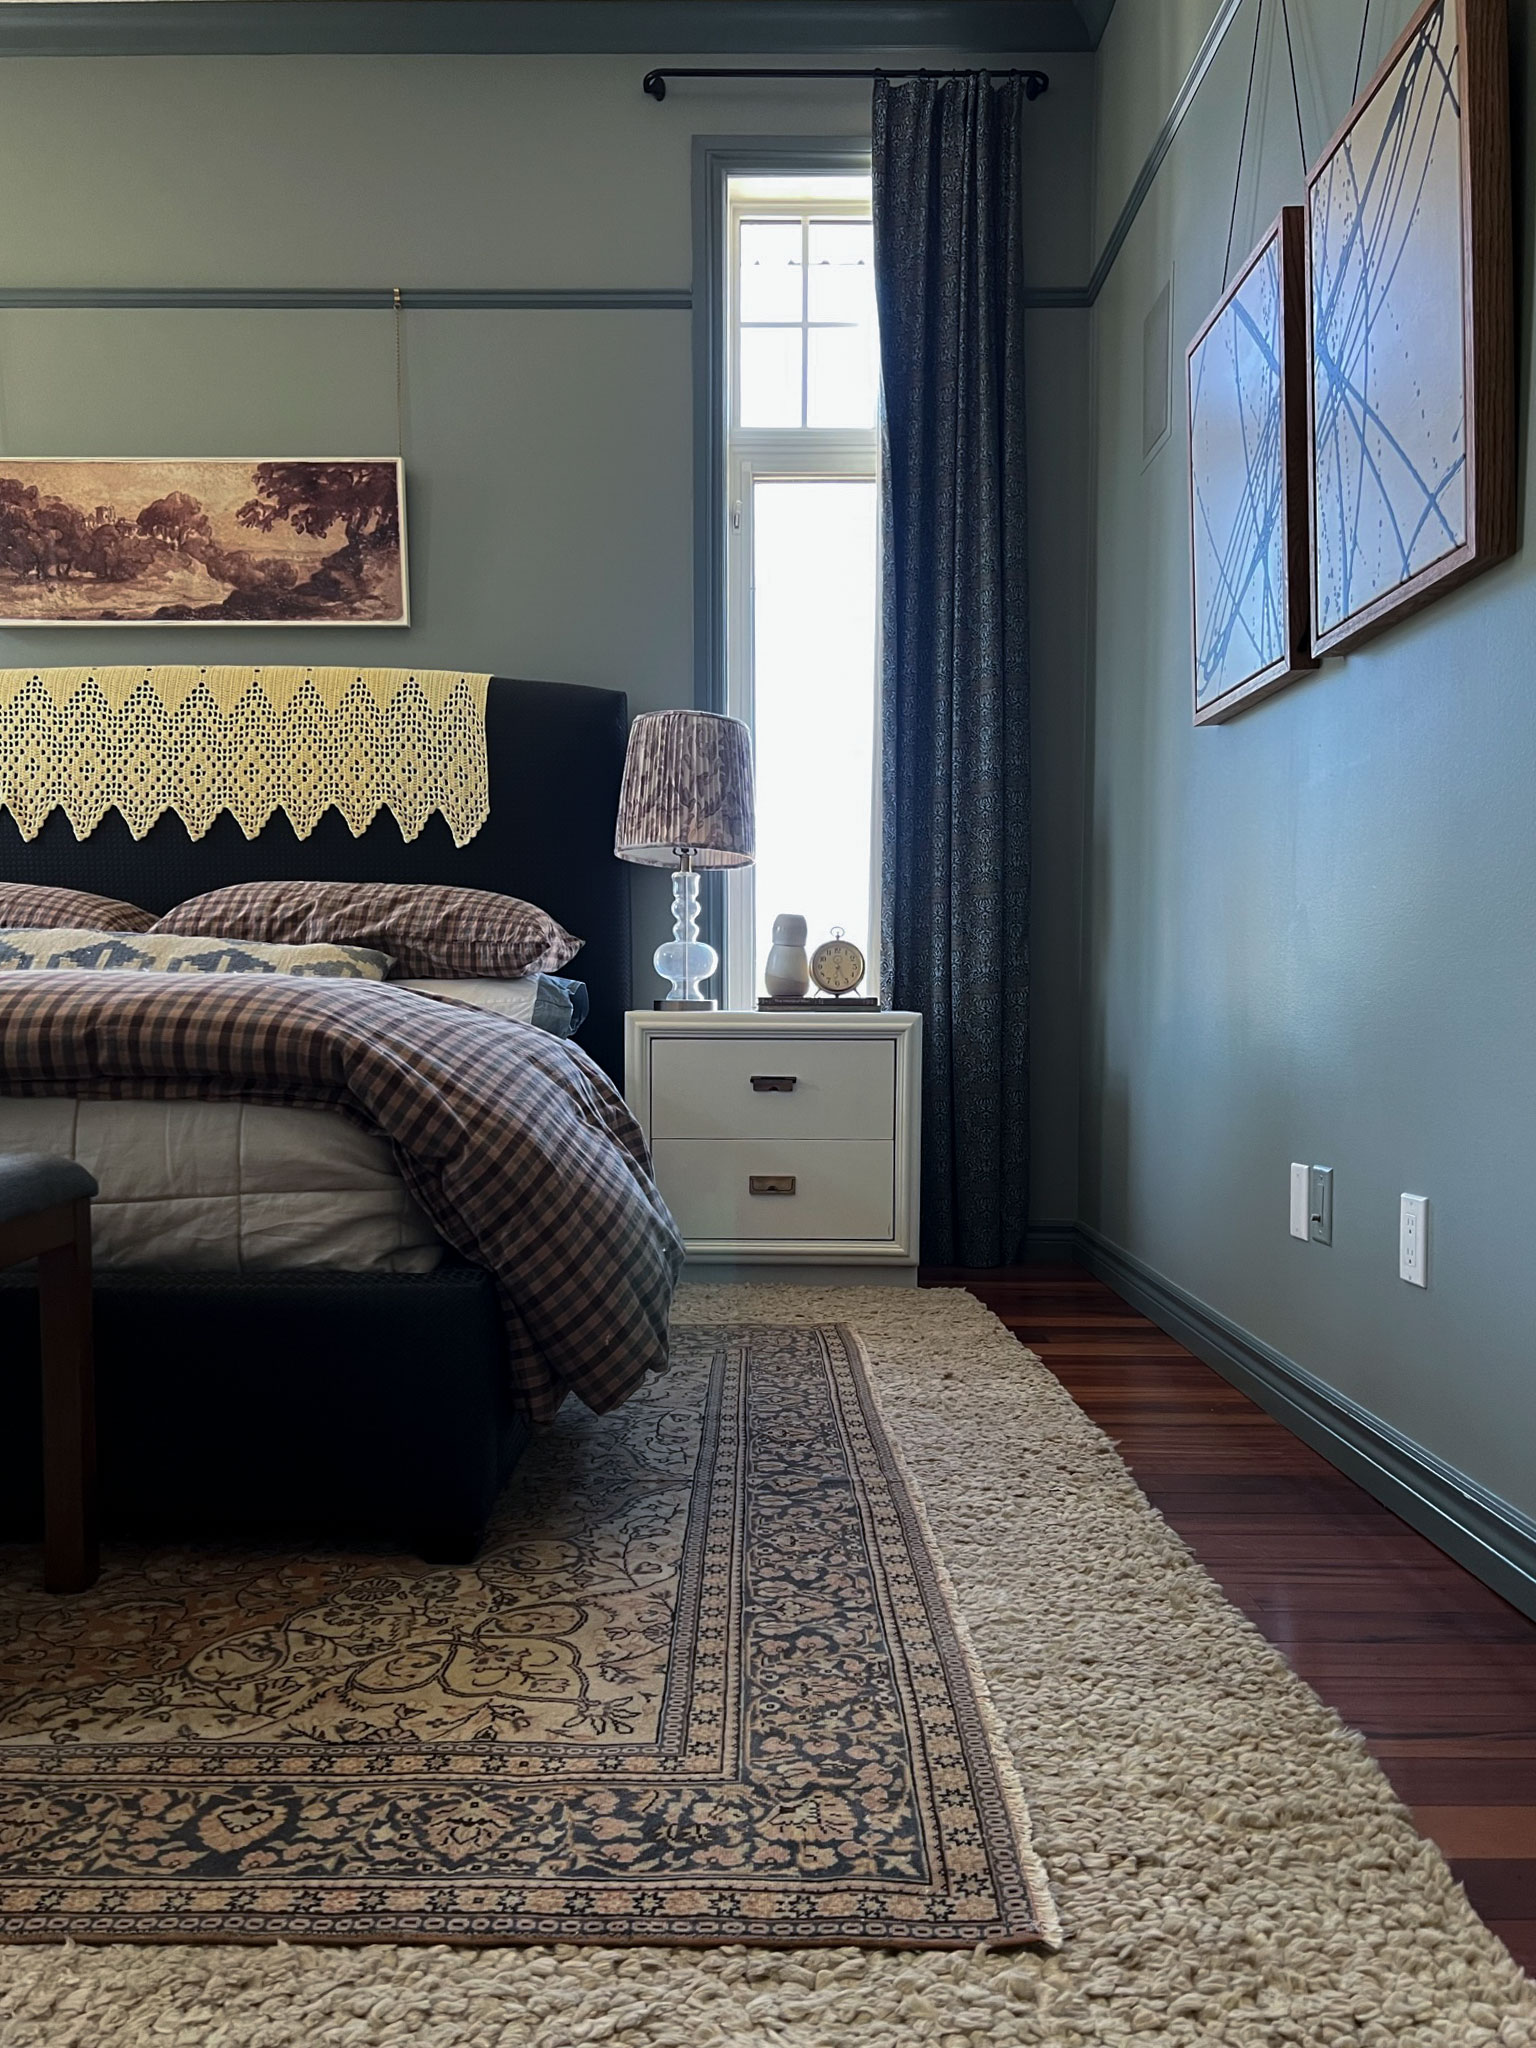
517, 1146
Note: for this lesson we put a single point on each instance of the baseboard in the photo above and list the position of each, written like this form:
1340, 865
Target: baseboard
1492, 1539
1051, 1244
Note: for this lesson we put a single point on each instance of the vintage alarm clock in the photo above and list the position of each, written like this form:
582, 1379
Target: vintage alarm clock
837, 965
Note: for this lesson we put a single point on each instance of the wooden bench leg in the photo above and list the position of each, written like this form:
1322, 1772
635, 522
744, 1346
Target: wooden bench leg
70, 1556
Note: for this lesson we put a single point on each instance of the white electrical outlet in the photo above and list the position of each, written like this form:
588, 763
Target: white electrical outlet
1301, 1224
1413, 1240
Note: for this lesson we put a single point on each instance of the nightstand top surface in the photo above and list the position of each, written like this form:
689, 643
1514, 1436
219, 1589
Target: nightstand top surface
771, 1020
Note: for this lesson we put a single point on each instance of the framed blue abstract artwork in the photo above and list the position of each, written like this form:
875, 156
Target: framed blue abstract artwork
1411, 385
1248, 481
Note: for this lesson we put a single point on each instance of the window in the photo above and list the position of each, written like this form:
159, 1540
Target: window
800, 556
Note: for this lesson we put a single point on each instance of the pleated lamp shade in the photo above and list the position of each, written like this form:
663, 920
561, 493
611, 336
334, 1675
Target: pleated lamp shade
687, 787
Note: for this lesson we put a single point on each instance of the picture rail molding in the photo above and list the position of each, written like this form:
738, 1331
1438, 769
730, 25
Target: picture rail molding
129, 298
333, 298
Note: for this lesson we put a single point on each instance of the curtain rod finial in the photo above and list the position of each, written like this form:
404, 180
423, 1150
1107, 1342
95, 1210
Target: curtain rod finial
654, 83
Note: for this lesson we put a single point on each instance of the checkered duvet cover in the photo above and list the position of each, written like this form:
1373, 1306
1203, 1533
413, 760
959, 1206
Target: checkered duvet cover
518, 1147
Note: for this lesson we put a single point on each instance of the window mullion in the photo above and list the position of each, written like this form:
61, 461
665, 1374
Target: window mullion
805, 320
740, 883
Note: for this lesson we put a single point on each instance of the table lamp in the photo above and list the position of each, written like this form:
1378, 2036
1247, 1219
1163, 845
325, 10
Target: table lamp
686, 804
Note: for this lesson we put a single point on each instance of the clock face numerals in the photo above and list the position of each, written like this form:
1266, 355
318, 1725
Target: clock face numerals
837, 966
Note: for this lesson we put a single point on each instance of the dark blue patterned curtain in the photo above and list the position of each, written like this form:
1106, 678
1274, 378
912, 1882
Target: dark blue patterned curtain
955, 620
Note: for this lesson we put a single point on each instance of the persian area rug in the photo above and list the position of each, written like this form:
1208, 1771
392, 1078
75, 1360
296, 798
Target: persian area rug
706, 1684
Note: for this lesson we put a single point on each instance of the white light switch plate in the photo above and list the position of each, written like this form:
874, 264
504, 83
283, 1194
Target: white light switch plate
1413, 1240
1300, 1188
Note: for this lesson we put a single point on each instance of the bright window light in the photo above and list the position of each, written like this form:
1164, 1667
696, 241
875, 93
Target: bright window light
813, 654
806, 350
801, 549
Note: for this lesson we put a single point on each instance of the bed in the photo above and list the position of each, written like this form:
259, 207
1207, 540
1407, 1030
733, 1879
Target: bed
378, 1404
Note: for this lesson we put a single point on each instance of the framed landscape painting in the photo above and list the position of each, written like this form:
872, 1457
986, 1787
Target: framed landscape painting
1411, 390
222, 542
1248, 481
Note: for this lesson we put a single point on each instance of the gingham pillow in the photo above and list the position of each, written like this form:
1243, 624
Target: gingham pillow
29, 905
427, 928
166, 953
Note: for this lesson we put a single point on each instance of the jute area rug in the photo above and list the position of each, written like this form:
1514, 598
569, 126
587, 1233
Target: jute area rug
704, 1683
1231, 1869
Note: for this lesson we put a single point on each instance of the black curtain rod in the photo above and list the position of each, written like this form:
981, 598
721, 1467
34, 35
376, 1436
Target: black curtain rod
655, 82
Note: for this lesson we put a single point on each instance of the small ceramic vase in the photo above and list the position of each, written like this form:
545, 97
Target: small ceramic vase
788, 972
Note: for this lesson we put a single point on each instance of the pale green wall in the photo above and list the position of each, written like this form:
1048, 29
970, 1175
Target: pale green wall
1144, 56
548, 454
1311, 932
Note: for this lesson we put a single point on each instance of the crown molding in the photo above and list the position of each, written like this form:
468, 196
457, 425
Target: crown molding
270, 28
1095, 16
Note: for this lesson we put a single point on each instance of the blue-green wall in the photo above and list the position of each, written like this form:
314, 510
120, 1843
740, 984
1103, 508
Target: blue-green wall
1310, 933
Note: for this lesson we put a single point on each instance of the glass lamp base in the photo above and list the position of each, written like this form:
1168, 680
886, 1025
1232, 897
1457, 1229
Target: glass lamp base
685, 960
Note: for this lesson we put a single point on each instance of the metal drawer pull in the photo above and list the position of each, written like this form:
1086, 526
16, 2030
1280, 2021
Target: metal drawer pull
770, 1183
775, 1084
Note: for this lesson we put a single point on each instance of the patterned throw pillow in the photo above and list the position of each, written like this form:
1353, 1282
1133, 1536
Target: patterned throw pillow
427, 928
99, 950
35, 907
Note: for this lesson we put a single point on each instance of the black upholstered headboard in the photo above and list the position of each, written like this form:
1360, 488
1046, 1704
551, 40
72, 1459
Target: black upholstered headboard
555, 756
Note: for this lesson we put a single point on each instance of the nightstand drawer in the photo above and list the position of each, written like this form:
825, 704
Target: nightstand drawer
776, 1086
842, 1191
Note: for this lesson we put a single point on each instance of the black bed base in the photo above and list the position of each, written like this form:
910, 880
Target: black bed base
353, 1405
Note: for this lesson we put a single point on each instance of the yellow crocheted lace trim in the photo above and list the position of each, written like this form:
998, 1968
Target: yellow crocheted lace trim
250, 741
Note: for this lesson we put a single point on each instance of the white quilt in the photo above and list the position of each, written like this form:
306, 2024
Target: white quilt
230, 1186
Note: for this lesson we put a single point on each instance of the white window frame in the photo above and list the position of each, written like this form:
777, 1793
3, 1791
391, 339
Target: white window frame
772, 454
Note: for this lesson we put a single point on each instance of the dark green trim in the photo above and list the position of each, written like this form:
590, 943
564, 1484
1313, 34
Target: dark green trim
306, 298
1095, 17
1051, 1244
1045, 298
380, 298
708, 462
1492, 1539
267, 28
715, 158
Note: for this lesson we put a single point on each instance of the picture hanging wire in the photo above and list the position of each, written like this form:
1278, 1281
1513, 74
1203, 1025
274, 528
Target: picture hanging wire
1365, 15
399, 375
1301, 140
1242, 141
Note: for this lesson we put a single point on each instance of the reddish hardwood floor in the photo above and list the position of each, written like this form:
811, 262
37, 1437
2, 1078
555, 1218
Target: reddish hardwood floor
1437, 1672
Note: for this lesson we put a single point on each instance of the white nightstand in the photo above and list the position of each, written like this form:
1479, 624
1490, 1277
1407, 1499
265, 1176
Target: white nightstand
784, 1139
